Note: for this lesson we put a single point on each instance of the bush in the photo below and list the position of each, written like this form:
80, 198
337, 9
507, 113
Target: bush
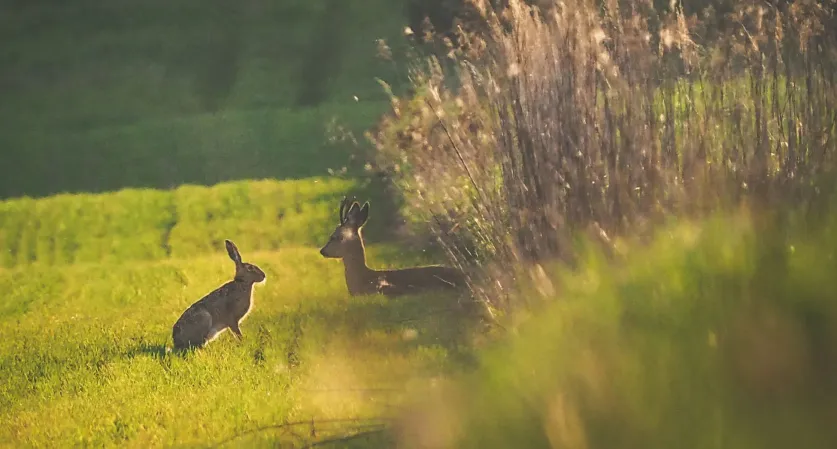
605, 119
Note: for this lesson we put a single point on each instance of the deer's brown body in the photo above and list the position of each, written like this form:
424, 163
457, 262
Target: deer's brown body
346, 243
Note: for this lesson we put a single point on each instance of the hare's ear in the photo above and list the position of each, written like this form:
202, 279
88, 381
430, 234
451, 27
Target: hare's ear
363, 214
233, 252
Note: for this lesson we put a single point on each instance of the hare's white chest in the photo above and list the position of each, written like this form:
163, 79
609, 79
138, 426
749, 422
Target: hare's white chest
249, 306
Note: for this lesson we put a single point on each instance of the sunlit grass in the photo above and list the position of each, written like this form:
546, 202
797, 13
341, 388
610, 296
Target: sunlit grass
83, 351
144, 224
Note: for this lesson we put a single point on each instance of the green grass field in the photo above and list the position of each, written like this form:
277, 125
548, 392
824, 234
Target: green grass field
185, 222
84, 362
94, 283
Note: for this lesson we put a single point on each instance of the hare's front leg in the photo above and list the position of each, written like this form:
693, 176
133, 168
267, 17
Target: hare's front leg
236, 331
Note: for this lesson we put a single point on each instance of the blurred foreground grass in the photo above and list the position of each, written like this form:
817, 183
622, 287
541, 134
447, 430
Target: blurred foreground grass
720, 334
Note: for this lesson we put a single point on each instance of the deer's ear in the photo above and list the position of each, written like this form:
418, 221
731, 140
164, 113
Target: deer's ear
352, 213
353, 210
363, 215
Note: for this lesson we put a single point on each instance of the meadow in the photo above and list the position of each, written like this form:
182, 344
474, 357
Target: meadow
84, 358
135, 138
94, 282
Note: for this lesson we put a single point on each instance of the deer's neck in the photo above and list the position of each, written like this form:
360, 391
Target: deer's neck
359, 277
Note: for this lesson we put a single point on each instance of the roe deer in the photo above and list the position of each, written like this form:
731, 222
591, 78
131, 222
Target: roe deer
223, 308
346, 243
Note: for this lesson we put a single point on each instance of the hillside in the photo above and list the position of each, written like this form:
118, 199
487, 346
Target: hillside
99, 96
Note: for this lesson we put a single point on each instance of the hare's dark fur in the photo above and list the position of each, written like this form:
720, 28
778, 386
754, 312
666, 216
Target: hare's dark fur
222, 309
346, 243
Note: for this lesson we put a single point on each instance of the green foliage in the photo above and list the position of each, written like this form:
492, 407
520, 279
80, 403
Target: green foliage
98, 96
199, 149
83, 351
190, 220
718, 334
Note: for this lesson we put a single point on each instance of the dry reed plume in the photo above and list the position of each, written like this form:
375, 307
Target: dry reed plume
605, 116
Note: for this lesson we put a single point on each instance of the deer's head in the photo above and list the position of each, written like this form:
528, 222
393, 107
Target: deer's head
346, 237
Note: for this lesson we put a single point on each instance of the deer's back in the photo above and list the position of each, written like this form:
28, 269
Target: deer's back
415, 279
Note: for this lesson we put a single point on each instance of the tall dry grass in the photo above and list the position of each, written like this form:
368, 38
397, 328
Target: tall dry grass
606, 117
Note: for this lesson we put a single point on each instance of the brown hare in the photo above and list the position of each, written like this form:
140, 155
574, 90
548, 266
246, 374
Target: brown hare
222, 309
346, 243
